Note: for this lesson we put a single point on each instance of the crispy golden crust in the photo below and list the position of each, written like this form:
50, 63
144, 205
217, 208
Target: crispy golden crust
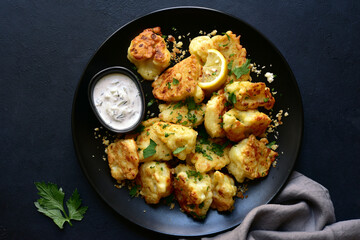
149, 53
180, 114
143, 141
209, 155
240, 124
185, 73
250, 159
192, 191
215, 108
224, 191
123, 159
176, 137
250, 95
155, 179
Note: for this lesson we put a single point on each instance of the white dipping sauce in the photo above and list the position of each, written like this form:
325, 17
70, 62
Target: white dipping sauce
117, 100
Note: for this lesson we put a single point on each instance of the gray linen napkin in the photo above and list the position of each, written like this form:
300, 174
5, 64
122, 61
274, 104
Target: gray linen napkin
302, 210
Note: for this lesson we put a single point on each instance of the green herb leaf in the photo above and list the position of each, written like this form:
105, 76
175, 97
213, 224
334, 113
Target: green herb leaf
151, 102
51, 204
150, 150
134, 190
244, 69
232, 98
269, 145
168, 85
179, 150
195, 174
266, 100
175, 81
168, 134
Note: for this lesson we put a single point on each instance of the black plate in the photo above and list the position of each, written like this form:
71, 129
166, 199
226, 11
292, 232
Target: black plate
181, 21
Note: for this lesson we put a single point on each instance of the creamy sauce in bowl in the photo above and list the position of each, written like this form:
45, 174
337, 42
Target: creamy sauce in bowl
118, 101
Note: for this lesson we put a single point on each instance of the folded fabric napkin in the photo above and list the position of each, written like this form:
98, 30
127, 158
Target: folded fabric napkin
302, 210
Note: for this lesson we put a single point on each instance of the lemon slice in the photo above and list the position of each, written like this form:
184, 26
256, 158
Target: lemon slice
214, 71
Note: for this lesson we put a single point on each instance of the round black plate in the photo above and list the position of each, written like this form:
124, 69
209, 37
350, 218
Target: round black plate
181, 21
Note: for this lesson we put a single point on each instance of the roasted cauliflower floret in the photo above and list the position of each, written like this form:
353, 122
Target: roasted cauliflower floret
178, 82
155, 178
192, 191
240, 124
179, 139
229, 45
179, 113
144, 143
246, 95
210, 155
250, 159
123, 159
224, 191
149, 53
215, 108
199, 47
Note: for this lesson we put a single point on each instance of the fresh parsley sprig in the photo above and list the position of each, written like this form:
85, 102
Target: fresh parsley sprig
51, 204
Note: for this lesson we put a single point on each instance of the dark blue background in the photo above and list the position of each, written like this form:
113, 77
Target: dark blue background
45, 46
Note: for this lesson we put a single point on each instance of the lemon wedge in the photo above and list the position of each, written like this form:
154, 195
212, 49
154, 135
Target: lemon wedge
214, 71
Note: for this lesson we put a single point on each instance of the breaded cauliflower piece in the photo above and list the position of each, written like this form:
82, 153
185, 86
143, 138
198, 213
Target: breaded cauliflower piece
240, 124
149, 53
224, 191
143, 142
228, 45
210, 154
199, 47
123, 159
178, 82
249, 95
192, 191
250, 159
155, 179
235, 55
215, 108
179, 139
179, 113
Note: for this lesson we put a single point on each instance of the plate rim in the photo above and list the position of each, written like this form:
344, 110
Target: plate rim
189, 7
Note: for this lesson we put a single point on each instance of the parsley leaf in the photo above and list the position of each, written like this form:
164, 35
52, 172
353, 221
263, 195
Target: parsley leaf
151, 102
269, 145
179, 150
51, 204
232, 98
195, 174
150, 150
134, 190
244, 69
175, 81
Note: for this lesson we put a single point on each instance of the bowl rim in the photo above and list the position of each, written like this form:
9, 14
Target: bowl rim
116, 69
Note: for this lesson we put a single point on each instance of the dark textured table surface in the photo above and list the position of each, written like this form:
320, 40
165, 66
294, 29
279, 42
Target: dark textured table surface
45, 46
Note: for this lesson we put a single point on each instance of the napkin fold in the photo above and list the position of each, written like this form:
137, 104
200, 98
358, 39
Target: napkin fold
302, 210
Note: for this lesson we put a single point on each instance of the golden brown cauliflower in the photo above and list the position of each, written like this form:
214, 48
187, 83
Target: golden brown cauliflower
149, 53
224, 191
192, 190
155, 179
210, 154
179, 113
250, 159
179, 139
179, 82
247, 95
240, 124
123, 159
215, 108
148, 139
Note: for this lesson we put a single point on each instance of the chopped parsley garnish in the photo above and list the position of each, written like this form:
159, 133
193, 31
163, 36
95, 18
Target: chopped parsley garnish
151, 102
150, 150
266, 100
168, 85
184, 123
179, 150
175, 81
191, 117
134, 190
269, 145
224, 45
195, 174
165, 125
190, 103
179, 118
140, 128
178, 105
168, 134
242, 70
232, 98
